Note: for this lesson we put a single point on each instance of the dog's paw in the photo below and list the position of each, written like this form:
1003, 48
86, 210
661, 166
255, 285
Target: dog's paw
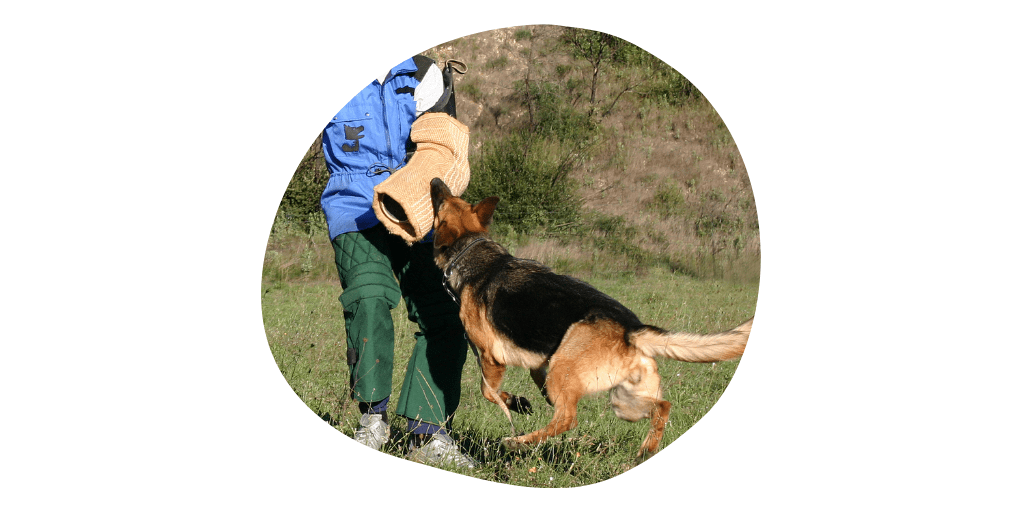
514, 444
519, 404
644, 455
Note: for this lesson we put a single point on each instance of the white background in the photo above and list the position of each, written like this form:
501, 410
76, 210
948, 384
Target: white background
145, 150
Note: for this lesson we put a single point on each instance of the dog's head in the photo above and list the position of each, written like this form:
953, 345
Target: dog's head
454, 217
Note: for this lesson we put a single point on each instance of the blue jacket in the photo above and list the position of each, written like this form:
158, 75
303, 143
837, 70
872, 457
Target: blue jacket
367, 139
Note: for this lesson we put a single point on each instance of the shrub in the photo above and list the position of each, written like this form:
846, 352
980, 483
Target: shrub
668, 201
523, 34
497, 63
471, 90
524, 171
300, 204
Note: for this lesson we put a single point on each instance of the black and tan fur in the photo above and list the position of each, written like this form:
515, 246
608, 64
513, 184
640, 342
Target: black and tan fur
574, 339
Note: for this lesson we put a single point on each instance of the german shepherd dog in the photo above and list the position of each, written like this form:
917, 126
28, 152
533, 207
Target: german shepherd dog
574, 339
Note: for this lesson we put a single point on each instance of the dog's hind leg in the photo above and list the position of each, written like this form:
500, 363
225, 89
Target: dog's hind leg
589, 360
639, 397
659, 418
565, 392
636, 408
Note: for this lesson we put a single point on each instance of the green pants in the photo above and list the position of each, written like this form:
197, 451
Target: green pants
369, 262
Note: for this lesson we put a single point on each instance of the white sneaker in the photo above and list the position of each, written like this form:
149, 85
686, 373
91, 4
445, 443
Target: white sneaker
441, 450
373, 431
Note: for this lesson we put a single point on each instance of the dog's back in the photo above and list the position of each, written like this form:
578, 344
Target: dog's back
534, 307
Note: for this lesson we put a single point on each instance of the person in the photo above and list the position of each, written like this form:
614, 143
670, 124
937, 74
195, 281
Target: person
380, 147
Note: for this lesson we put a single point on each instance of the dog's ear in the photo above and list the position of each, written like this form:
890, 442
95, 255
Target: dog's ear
439, 192
484, 210
443, 238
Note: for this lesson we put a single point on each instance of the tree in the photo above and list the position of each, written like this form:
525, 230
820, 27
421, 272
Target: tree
594, 47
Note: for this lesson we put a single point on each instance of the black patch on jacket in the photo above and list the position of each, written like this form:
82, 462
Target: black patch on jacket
352, 133
423, 64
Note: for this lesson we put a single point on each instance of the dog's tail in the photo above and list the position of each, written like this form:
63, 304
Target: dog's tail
693, 348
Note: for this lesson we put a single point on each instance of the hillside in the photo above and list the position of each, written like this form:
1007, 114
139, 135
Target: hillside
672, 172
656, 175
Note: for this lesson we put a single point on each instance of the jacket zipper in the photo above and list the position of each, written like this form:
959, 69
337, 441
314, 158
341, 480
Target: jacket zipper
387, 130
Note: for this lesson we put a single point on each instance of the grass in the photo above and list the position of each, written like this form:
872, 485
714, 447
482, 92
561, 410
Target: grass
470, 89
678, 243
499, 62
304, 325
601, 244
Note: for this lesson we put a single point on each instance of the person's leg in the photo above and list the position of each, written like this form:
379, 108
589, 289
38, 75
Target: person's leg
433, 381
369, 293
432, 386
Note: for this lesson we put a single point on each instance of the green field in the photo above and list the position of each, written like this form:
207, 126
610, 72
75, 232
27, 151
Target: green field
304, 325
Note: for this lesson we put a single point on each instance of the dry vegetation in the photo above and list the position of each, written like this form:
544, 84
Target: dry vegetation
668, 171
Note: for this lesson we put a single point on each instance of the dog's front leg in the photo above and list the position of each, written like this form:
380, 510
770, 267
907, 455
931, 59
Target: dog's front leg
539, 376
493, 373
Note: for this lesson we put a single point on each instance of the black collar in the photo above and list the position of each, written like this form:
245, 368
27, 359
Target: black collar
451, 266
